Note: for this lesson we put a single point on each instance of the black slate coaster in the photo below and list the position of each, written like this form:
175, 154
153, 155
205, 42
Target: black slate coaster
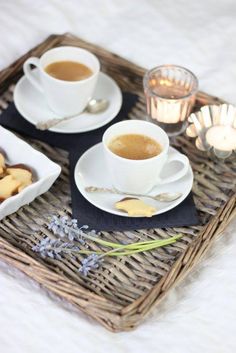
10, 118
183, 215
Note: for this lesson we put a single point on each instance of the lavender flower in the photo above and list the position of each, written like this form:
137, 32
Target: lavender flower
59, 225
54, 248
65, 227
92, 262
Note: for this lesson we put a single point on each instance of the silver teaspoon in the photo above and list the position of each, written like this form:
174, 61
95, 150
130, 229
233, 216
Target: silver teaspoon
163, 197
94, 106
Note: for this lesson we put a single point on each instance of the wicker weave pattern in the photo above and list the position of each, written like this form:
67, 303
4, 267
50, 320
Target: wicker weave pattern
124, 290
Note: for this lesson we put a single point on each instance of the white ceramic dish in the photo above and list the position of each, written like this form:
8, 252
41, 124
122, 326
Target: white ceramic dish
45, 171
32, 105
91, 170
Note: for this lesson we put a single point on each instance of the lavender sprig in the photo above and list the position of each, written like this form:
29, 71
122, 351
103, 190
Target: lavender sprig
55, 248
92, 262
64, 226
69, 235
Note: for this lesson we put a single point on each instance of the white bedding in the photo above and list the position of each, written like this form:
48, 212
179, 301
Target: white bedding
200, 314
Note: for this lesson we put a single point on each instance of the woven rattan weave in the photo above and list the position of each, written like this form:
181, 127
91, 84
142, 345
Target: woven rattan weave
121, 293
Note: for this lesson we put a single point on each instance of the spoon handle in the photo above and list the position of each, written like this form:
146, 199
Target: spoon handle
45, 125
162, 197
95, 189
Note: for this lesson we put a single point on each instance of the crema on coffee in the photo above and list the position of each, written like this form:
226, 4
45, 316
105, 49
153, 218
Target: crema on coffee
134, 146
68, 70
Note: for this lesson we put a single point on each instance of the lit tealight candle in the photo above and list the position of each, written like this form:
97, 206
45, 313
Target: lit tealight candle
170, 92
222, 138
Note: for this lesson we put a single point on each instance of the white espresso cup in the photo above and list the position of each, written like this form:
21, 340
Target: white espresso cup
140, 176
63, 97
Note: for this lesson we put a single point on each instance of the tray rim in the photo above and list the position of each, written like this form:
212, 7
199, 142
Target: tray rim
43, 275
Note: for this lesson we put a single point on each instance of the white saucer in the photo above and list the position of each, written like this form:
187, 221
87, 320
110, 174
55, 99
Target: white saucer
32, 105
91, 170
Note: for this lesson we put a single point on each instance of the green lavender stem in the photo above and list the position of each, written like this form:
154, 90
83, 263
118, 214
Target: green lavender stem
143, 249
136, 247
117, 245
124, 250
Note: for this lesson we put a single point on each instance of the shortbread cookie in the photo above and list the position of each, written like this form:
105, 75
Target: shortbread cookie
135, 207
22, 174
8, 186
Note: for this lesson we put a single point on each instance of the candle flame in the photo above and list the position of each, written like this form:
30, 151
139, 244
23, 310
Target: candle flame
164, 82
152, 82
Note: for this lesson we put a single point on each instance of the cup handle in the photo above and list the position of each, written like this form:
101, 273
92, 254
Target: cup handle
28, 72
180, 158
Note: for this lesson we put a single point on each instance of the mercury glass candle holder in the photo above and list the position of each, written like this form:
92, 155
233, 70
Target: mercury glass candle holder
170, 92
214, 128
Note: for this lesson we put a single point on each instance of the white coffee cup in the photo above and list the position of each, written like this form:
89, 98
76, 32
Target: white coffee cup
64, 97
140, 176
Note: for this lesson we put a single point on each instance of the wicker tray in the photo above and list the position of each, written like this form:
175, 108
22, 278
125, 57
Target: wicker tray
125, 290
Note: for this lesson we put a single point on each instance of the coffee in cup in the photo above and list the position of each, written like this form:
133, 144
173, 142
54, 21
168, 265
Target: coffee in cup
132, 169
135, 146
68, 70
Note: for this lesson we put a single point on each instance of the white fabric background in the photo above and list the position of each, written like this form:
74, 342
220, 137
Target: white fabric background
198, 315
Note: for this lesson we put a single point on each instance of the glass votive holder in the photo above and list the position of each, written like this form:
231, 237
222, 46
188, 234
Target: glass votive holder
170, 92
